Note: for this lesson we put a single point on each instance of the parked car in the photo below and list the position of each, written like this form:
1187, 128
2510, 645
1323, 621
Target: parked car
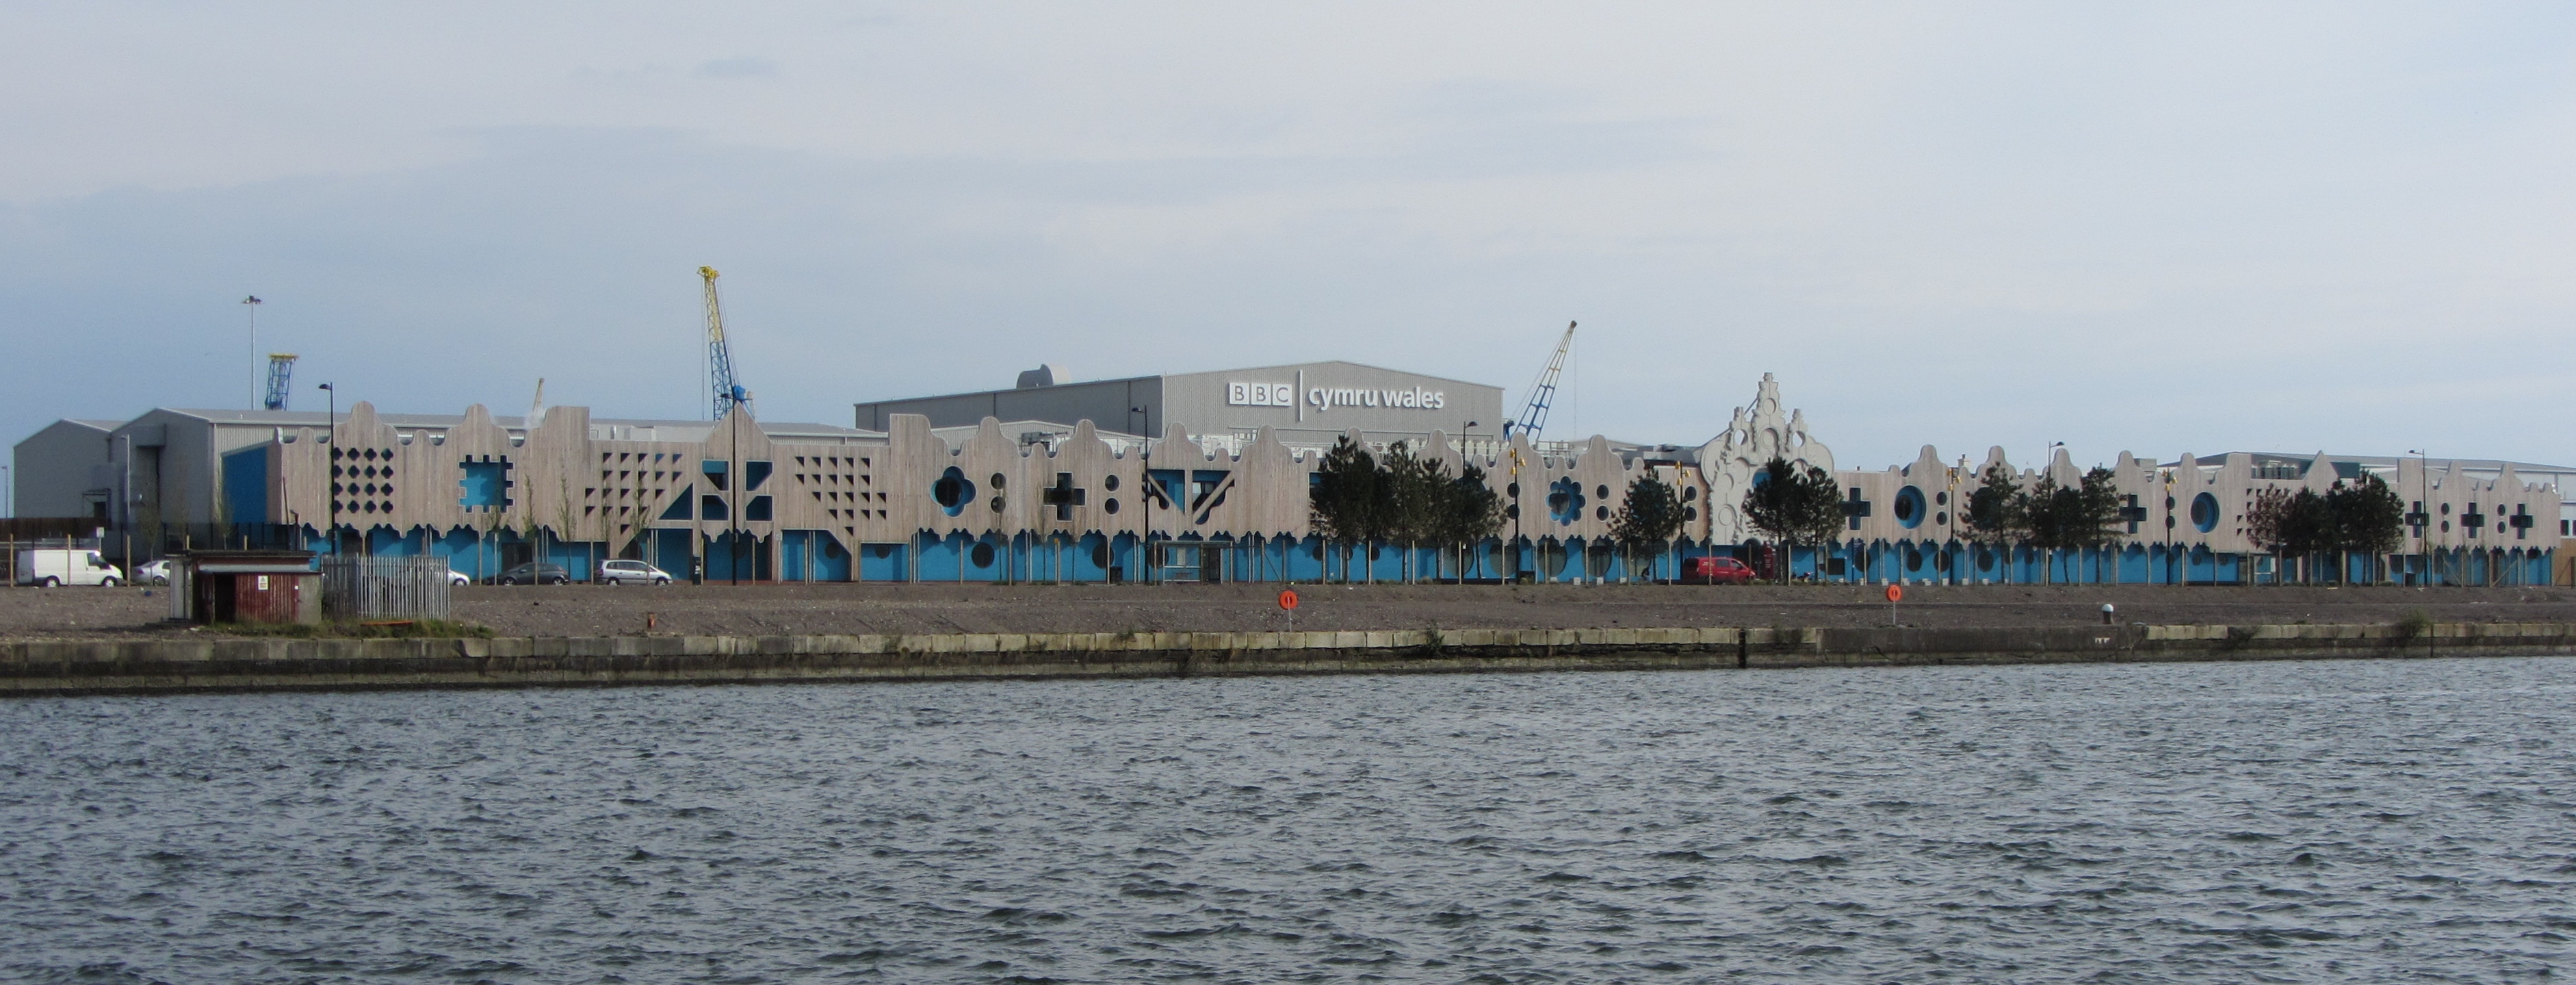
54, 567
534, 574
1716, 571
620, 572
455, 577
155, 573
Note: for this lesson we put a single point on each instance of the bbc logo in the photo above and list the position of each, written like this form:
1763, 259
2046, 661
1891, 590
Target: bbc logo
1261, 394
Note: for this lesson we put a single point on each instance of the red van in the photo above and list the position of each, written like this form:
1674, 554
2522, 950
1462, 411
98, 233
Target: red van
1716, 571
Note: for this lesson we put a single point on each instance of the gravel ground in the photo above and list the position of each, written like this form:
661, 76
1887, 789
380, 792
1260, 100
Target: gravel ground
583, 610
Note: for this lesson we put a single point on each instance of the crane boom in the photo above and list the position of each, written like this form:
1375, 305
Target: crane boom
719, 356
1533, 416
281, 369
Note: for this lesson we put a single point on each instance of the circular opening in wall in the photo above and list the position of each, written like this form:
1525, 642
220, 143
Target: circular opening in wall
997, 480
2169, 504
1600, 512
1941, 562
881, 551
1942, 518
1909, 507
1100, 555
1565, 501
1601, 492
1513, 490
1111, 505
1690, 494
2446, 526
1690, 513
2446, 509
1110, 483
1512, 512
2204, 512
1913, 558
982, 555
1985, 559
997, 504
1941, 499
952, 492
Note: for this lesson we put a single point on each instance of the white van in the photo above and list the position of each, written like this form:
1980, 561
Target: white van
54, 567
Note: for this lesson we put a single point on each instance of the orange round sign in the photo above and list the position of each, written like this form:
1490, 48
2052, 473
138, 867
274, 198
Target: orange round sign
1895, 592
1288, 599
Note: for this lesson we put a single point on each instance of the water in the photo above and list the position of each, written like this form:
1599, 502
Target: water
2244, 822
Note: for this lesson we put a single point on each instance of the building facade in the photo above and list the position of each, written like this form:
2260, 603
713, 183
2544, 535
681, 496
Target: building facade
1042, 500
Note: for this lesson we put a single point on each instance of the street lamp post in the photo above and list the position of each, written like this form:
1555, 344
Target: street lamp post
1515, 454
331, 437
1463, 434
2168, 496
2420, 518
250, 306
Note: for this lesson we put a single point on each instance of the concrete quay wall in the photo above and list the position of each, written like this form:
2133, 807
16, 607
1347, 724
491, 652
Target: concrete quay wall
255, 664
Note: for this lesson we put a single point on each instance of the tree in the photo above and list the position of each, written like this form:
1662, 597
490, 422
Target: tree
2291, 525
1995, 510
1651, 514
1346, 498
2059, 518
1793, 506
1470, 512
1413, 494
2368, 518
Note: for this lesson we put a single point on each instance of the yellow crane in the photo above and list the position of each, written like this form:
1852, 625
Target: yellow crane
719, 357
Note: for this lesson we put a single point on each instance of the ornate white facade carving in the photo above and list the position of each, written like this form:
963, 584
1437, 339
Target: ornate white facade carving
1759, 432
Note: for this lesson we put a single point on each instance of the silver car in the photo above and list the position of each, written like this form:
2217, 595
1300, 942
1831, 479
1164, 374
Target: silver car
620, 572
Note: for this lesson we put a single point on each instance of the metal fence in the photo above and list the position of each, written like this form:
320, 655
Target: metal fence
384, 588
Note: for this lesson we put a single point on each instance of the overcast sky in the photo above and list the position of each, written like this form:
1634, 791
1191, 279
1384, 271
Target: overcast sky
2160, 228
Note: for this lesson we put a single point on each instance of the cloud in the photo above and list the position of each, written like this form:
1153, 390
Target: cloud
2160, 231
738, 67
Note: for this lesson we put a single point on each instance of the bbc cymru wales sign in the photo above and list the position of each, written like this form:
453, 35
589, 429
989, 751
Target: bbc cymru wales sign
1326, 398
1261, 394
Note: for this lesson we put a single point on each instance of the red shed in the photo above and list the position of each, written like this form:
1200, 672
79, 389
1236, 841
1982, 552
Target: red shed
246, 586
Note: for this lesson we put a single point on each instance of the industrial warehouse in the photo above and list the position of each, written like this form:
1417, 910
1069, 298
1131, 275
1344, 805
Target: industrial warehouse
1025, 485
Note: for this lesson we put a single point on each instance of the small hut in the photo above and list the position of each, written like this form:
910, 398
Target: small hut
245, 586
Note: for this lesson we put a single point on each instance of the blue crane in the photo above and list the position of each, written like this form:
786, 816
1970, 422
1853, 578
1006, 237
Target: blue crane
1533, 416
281, 368
719, 357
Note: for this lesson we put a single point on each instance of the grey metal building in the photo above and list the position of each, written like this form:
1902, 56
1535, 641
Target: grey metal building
53, 471
1307, 405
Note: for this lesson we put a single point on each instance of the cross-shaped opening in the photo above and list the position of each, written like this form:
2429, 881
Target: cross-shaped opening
1063, 496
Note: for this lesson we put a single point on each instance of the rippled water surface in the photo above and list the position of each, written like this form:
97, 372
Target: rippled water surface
2410, 820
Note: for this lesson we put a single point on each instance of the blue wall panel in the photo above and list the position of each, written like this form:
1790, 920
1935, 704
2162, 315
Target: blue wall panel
884, 562
246, 485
